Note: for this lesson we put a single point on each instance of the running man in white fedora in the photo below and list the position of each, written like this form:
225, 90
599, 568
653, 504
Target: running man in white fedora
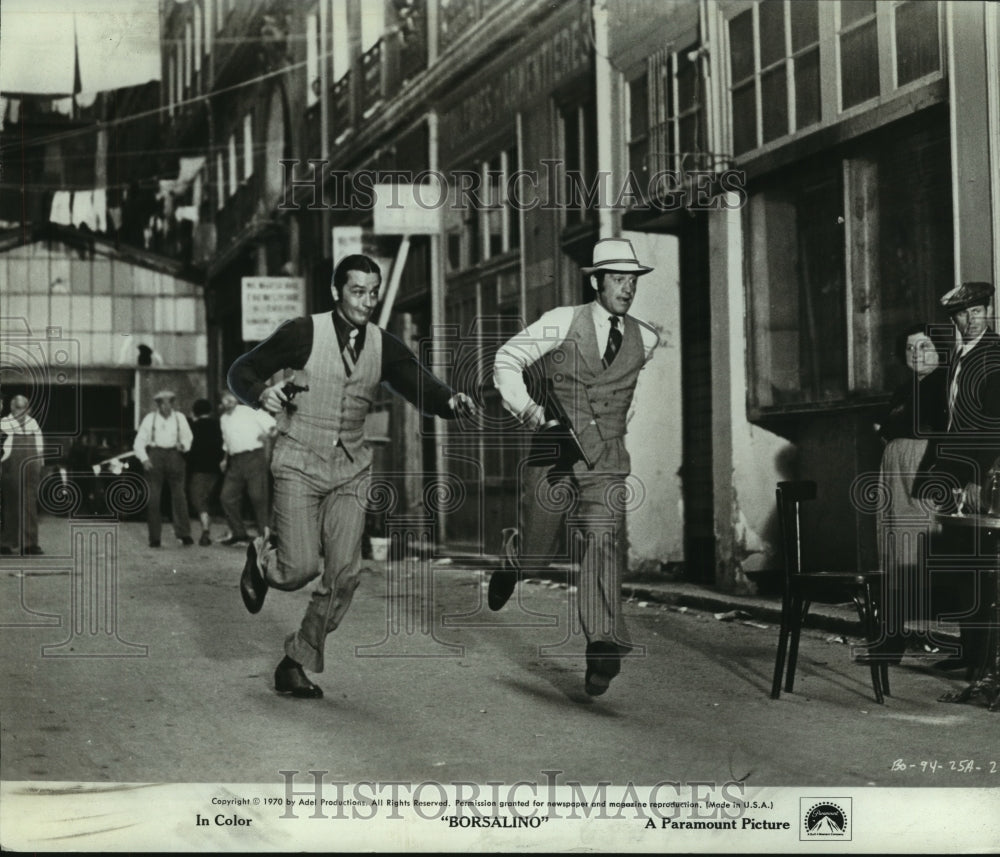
583, 363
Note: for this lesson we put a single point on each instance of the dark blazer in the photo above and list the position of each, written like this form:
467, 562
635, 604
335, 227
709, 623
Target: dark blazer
972, 441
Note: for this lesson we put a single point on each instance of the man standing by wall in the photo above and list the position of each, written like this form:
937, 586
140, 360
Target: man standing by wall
321, 462
589, 357
972, 442
245, 432
21, 472
163, 438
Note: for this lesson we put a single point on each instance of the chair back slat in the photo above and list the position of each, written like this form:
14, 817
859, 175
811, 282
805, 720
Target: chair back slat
790, 496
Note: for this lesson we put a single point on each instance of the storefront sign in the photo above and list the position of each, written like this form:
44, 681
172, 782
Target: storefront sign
267, 302
516, 79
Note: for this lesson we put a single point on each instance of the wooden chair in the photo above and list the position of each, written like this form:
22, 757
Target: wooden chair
802, 587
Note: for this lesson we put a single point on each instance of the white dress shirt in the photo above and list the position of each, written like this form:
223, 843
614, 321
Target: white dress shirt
244, 428
165, 432
25, 426
535, 341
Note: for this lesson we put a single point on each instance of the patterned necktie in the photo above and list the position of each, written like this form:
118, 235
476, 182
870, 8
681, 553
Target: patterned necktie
350, 353
614, 341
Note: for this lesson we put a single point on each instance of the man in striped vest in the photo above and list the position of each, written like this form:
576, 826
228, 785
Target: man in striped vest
321, 462
585, 361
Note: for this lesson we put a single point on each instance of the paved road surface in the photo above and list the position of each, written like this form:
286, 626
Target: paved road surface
197, 704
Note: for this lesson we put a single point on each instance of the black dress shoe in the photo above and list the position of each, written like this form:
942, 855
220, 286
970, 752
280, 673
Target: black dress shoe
253, 587
289, 678
503, 582
187, 541
603, 664
502, 585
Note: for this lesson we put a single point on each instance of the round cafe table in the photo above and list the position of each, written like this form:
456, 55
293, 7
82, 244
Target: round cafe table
986, 675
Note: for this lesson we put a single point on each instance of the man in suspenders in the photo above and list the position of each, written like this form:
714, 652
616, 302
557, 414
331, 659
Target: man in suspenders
585, 361
321, 463
163, 438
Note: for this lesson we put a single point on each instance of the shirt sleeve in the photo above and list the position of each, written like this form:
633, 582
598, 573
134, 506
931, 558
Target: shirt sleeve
404, 375
287, 348
36, 430
264, 421
650, 338
519, 352
142, 437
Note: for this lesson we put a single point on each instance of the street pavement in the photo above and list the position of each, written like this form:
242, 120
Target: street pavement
150, 669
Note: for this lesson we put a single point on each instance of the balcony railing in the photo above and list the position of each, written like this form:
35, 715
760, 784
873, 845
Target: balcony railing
371, 77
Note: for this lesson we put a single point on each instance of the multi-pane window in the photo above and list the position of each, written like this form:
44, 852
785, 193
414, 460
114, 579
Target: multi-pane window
776, 61
579, 127
842, 255
918, 44
638, 128
665, 125
857, 41
482, 211
774, 71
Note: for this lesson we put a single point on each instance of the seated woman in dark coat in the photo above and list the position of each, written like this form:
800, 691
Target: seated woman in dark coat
918, 411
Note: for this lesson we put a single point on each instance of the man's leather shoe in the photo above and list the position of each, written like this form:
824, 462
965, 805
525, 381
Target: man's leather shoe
603, 664
289, 678
503, 582
253, 586
205, 540
187, 541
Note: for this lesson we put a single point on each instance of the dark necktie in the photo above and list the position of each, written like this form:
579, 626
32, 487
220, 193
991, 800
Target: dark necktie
349, 353
614, 341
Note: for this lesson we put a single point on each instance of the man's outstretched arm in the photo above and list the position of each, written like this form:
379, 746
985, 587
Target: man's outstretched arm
404, 375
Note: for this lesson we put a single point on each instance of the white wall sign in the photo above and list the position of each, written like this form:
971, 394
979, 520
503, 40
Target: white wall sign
268, 301
409, 209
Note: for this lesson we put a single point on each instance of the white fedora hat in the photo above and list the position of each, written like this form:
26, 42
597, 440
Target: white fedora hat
616, 254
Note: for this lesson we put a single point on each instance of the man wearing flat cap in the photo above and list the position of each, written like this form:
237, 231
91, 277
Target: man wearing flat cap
581, 364
973, 388
972, 442
163, 438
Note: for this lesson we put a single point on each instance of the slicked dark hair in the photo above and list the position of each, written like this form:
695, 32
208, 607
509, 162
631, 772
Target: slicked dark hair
355, 262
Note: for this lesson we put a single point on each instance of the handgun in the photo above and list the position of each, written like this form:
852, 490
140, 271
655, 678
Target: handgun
291, 389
